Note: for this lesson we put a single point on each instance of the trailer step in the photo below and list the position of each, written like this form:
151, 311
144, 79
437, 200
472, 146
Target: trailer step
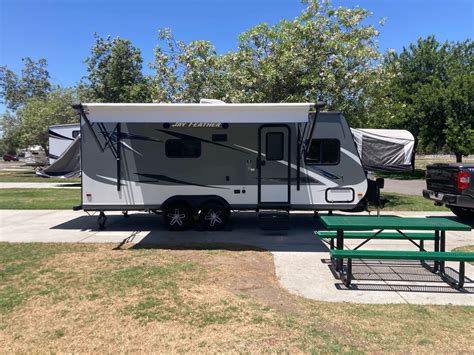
274, 220
273, 206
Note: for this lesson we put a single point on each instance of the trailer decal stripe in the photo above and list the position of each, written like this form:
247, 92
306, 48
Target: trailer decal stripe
160, 178
125, 135
352, 156
312, 174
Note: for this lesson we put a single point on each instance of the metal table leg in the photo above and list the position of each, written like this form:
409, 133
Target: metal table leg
340, 246
436, 248
442, 248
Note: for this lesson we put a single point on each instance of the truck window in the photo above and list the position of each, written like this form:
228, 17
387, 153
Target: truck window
323, 152
183, 148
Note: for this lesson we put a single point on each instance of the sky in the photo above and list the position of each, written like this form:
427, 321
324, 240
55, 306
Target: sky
62, 30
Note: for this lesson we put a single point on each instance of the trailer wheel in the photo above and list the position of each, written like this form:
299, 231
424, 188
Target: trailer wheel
177, 216
214, 216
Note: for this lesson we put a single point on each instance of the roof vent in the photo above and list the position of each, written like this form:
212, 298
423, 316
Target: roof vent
211, 101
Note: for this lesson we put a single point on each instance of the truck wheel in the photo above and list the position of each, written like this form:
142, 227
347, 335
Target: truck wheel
462, 212
214, 216
177, 216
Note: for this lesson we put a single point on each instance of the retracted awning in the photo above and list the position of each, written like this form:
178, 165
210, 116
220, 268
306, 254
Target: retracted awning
222, 113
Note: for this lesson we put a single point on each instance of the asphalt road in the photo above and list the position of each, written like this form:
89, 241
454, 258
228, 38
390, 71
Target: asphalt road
408, 187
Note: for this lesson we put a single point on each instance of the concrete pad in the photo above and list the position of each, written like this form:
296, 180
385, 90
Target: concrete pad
301, 261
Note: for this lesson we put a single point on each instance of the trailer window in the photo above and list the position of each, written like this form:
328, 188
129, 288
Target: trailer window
183, 148
324, 152
274, 146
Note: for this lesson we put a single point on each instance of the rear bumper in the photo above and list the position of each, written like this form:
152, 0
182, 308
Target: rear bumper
449, 199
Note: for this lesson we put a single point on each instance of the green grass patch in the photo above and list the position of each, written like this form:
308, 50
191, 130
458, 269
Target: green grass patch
32, 199
418, 174
402, 202
28, 175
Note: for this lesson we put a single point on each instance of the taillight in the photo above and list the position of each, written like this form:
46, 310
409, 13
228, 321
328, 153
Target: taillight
463, 179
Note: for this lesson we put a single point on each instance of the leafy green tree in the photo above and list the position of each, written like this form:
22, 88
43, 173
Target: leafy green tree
34, 82
431, 89
326, 53
29, 125
185, 72
115, 72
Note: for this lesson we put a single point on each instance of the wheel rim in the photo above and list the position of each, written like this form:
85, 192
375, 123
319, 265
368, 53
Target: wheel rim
213, 217
176, 218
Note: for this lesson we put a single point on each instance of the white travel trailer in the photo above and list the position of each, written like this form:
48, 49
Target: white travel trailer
200, 161
60, 138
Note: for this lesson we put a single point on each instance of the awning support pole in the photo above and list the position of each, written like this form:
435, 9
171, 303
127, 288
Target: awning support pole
119, 155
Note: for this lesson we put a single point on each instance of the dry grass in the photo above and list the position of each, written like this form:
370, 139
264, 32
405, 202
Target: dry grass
90, 298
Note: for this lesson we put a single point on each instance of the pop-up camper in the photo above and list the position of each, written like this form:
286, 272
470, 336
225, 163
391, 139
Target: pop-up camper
385, 149
209, 159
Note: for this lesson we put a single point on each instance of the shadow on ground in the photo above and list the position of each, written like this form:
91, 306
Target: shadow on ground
242, 233
399, 276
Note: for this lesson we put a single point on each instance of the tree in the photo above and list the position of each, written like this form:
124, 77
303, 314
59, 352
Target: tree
459, 131
432, 94
115, 72
34, 83
325, 53
185, 72
32, 120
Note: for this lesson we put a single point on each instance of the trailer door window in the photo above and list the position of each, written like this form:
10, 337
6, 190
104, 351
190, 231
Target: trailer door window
323, 152
274, 146
183, 148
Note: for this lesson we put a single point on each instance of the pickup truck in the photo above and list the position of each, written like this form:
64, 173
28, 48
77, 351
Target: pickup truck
453, 186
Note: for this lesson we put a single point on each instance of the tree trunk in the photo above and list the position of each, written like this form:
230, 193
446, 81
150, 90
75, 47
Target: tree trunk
458, 157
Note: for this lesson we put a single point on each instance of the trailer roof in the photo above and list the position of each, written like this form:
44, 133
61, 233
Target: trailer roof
223, 113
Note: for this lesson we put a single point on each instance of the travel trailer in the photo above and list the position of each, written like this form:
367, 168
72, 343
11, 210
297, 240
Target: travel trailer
60, 138
200, 161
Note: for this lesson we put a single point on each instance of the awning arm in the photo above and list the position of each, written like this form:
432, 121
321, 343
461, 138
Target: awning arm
305, 140
108, 137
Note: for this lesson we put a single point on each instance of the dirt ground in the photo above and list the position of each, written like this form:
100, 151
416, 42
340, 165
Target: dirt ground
92, 298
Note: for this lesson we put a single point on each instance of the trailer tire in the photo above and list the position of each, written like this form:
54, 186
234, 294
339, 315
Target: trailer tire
462, 212
213, 216
177, 216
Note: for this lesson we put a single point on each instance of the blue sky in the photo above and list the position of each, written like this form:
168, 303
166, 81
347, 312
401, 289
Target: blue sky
61, 30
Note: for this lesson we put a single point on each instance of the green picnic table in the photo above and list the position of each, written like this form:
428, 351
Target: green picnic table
345, 223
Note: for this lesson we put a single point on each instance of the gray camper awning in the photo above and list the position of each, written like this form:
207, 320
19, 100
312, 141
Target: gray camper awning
385, 149
206, 113
68, 165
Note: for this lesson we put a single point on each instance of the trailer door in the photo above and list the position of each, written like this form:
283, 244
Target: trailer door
274, 162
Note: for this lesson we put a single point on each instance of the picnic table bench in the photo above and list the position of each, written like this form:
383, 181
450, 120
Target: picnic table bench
374, 228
